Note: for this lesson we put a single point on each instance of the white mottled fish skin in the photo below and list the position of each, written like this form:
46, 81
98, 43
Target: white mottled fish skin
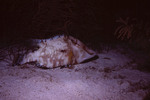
59, 51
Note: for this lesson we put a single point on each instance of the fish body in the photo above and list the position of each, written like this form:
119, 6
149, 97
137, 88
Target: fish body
59, 51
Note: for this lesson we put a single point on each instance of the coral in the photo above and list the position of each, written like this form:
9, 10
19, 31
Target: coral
125, 30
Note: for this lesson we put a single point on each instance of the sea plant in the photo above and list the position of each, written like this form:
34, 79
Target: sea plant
135, 31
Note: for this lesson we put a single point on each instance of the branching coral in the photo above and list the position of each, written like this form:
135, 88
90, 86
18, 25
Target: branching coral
125, 30
134, 30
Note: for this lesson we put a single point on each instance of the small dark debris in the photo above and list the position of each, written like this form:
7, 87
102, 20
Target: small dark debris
107, 70
93, 68
119, 77
107, 58
25, 77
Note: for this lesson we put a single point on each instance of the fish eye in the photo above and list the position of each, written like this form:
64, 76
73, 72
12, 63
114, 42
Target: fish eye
74, 42
63, 51
35, 48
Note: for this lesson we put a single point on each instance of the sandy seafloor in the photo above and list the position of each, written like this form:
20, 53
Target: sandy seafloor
113, 76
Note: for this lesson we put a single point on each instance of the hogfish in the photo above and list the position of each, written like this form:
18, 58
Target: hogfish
59, 51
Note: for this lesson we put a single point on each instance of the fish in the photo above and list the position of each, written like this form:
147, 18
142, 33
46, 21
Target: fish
58, 51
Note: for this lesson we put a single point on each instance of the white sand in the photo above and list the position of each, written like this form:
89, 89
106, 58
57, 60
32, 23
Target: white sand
111, 77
